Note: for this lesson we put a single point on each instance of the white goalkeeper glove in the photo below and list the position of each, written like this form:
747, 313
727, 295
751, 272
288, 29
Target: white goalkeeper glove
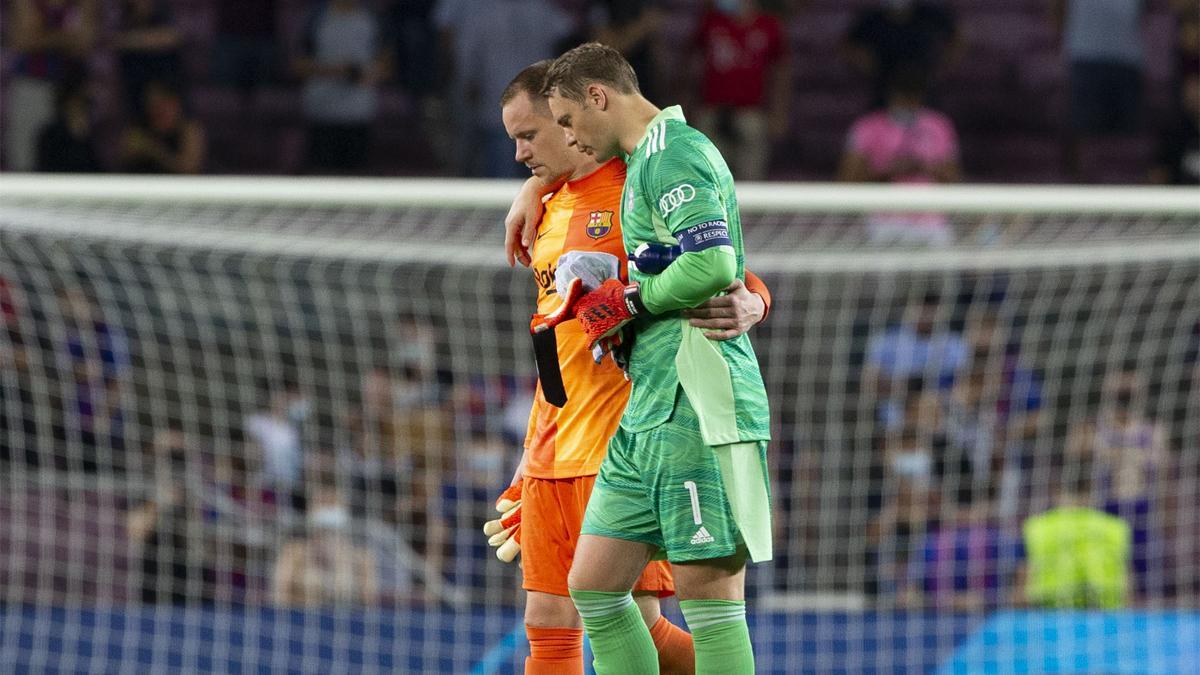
504, 533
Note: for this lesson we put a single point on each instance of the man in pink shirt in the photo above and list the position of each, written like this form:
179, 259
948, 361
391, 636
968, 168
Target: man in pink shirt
745, 88
904, 143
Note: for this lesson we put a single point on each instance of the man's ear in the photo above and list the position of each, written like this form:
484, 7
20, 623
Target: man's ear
597, 96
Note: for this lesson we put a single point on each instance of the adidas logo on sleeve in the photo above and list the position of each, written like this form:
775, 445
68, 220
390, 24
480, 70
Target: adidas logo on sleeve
702, 537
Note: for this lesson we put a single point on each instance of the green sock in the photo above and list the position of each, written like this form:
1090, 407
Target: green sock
620, 639
720, 635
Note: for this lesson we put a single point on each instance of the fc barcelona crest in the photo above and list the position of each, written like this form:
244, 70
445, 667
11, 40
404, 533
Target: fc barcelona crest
599, 224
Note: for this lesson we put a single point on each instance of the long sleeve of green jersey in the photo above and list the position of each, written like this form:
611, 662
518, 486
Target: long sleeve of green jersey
689, 208
690, 280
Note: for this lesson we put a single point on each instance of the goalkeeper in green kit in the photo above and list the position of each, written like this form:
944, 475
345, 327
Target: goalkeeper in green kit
685, 476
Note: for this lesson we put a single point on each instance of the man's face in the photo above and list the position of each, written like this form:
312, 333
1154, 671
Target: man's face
587, 127
539, 142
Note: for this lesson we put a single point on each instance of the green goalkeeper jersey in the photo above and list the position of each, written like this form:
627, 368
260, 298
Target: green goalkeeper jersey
679, 191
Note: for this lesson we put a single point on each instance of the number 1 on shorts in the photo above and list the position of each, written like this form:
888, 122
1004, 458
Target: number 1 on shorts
691, 488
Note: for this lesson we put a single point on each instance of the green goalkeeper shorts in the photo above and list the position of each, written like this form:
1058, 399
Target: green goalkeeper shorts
664, 487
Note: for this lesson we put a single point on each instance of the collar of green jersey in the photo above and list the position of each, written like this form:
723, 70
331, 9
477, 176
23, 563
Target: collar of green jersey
672, 113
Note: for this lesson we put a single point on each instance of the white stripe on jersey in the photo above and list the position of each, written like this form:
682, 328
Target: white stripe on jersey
658, 139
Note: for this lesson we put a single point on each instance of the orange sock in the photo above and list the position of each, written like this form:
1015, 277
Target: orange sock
674, 644
554, 651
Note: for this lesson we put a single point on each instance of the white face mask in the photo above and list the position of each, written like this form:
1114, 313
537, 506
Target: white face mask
329, 518
407, 395
912, 463
299, 410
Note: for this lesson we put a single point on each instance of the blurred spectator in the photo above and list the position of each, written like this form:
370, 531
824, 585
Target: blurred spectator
49, 41
901, 34
904, 143
1017, 390
918, 347
342, 62
413, 36
746, 84
972, 429
67, 144
1102, 45
1008, 400
277, 442
400, 456
18, 432
245, 50
401, 435
168, 526
1129, 451
907, 505
498, 39
1076, 555
451, 138
148, 49
968, 564
630, 27
1178, 159
415, 345
165, 140
96, 356
325, 565
1187, 38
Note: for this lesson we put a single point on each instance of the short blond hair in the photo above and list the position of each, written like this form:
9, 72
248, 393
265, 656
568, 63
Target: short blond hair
589, 63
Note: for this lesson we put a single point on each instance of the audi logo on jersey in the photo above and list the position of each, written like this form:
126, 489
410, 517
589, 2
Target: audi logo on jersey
676, 198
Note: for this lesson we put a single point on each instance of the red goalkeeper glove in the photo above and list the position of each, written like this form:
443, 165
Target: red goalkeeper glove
504, 533
601, 312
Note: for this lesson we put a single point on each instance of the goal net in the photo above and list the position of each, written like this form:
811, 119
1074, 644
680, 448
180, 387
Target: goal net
256, 425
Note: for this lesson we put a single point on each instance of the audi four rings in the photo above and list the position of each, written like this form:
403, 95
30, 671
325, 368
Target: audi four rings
676, 198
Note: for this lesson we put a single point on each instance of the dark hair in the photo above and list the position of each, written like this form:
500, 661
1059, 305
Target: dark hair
590, 63
1076, 479
69, 91
529, 82
910, 78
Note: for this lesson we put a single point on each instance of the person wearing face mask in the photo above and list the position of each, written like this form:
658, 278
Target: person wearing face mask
275, 433
67, 144
166, 527
905, 142
906, 505
1130, 451
325, 566
899, 34
746, 83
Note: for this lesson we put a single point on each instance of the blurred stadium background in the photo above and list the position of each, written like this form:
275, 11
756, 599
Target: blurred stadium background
255, 424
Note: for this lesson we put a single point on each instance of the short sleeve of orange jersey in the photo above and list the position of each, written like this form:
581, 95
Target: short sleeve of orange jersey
570, 441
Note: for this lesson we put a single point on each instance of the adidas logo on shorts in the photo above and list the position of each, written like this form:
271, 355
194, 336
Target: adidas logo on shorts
702, 537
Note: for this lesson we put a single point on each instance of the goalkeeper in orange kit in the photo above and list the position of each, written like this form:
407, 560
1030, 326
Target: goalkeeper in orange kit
581, 395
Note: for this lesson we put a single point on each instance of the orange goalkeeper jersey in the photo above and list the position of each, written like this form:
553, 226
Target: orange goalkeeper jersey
570, 441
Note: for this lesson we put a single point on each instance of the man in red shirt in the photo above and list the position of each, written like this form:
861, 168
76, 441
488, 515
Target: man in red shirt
745, 85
